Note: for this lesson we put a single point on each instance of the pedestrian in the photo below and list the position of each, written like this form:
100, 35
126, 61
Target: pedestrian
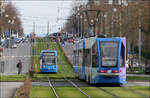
19, 66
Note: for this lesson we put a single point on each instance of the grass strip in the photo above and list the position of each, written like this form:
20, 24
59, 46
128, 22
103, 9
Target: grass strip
142, 89
95, 92
121, 92
41, 91
69, 92
137, 78
17, 78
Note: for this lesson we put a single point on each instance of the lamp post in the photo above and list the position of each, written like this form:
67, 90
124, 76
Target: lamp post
140, 39
78, 24
124, 4
105, 16
114, 10
81, 26
85, 20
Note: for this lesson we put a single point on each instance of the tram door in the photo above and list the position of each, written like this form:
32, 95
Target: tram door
123, 62
94, 62
76, 60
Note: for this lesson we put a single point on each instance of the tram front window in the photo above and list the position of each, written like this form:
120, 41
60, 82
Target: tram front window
109, 54
48, 59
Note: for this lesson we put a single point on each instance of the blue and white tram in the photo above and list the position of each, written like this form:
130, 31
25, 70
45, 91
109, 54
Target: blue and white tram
100, 60
48, 61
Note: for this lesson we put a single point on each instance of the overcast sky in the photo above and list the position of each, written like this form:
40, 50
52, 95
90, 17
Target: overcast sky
42, 12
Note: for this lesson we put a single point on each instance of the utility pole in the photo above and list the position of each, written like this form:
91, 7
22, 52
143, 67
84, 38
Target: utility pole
78, 24
48, 28
120, 24
81, 27
34, 27
140, 39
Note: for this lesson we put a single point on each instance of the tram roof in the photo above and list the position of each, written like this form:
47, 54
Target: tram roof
48, 51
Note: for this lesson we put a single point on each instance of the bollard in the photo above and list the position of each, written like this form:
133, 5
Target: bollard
31, 72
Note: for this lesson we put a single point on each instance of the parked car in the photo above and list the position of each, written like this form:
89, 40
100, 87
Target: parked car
57, 39
18, 40
147, 69
71, 40
14, 46
25, 40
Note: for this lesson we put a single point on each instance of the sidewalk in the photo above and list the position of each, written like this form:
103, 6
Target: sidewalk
8, 89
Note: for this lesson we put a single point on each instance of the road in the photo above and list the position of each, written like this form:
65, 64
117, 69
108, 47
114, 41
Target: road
82, 84
12, 56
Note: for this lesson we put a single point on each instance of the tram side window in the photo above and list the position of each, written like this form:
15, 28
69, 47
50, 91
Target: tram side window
122, 56
86, 57
94, 56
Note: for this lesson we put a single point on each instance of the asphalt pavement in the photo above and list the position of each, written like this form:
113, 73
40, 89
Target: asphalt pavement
84, 84
12, 56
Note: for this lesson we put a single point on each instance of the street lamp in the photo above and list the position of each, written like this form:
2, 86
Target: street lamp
105, 16
114, 10
78, 24
124, 4
81, 26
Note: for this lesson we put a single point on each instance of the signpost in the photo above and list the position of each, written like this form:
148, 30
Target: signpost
7, 34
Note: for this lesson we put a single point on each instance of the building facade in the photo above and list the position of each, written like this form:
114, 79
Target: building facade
110, 1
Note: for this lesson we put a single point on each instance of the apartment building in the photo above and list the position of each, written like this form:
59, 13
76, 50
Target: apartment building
110, 1
1, 4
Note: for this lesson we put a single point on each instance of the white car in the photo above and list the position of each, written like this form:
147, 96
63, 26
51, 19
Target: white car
14, 46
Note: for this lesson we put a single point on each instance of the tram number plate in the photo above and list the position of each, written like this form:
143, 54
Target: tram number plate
109, 71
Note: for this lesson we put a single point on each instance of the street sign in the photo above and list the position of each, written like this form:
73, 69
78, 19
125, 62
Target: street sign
7, 33
63, 44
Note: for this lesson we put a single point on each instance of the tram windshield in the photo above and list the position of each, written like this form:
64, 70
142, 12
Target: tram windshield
48, 59
109, 54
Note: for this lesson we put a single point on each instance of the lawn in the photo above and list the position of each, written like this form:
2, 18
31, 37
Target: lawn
64, 68
16, 78
122, 92
136, 78
40, 92
95, 92
69, 92
142, 89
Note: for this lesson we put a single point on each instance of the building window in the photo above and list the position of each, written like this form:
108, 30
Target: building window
115, 1
106, 1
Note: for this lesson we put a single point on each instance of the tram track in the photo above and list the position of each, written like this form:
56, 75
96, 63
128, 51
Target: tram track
54, 91
72, 83
75, 85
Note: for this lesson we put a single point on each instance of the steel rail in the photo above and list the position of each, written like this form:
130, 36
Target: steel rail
52, 88
77, 87
73, 83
